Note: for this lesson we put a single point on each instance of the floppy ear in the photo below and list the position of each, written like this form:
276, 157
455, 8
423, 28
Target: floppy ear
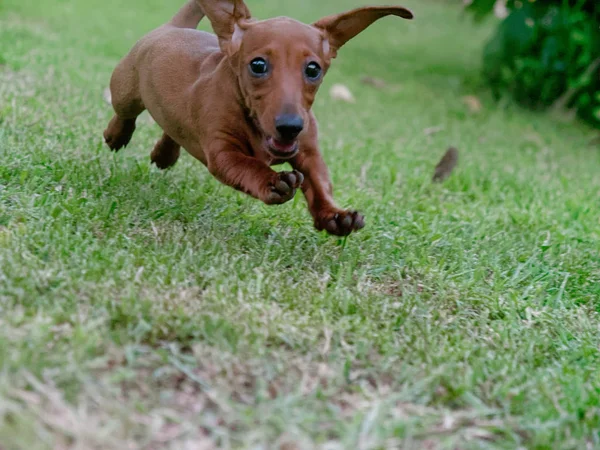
340, 28
227, 18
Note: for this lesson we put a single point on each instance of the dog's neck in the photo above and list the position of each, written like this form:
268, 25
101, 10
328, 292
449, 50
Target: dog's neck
244, 101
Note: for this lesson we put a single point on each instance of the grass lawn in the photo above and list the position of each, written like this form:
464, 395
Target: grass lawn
147, 309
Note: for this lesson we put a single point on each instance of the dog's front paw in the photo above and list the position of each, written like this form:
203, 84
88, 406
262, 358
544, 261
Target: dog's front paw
339, 222
282, 187
119, 132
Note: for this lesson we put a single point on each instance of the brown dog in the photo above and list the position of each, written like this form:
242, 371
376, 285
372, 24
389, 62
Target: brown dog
240, 101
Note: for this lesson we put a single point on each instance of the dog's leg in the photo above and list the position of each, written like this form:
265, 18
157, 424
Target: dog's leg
165, 153
127, 103
254, 177
119, 132
318, 191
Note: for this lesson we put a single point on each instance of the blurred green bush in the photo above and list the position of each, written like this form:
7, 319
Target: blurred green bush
545, 53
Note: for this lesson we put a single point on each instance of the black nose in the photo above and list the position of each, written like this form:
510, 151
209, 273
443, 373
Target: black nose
289, 126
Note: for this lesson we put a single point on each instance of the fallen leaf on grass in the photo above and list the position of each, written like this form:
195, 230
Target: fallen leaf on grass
433, 130
106, 95
381, 84
374, 81
363, 173
446, 165
341, 93
473, 104
289, 445
500, 9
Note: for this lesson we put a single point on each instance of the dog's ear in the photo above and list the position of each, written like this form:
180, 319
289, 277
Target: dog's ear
227, 18
339, 29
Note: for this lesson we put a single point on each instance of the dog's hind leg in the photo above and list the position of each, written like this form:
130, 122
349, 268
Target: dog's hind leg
165, 153
127, 103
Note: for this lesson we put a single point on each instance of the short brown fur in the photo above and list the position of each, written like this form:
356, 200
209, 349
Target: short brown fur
200, 89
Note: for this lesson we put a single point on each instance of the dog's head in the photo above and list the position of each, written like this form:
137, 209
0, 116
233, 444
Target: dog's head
280, 62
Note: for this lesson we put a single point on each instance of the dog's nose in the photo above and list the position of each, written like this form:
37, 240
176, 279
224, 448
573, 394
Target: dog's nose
289, 126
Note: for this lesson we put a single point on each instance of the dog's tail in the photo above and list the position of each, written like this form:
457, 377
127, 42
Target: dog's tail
189, 16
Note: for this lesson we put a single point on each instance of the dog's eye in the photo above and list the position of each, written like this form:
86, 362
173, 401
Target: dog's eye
312, 71
259, 67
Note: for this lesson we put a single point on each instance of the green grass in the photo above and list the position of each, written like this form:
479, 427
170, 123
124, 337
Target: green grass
142, 309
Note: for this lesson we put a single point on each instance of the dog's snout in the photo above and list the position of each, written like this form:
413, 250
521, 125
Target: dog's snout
289, 126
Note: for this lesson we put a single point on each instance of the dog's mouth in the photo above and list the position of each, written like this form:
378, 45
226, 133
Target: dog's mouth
282, 149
